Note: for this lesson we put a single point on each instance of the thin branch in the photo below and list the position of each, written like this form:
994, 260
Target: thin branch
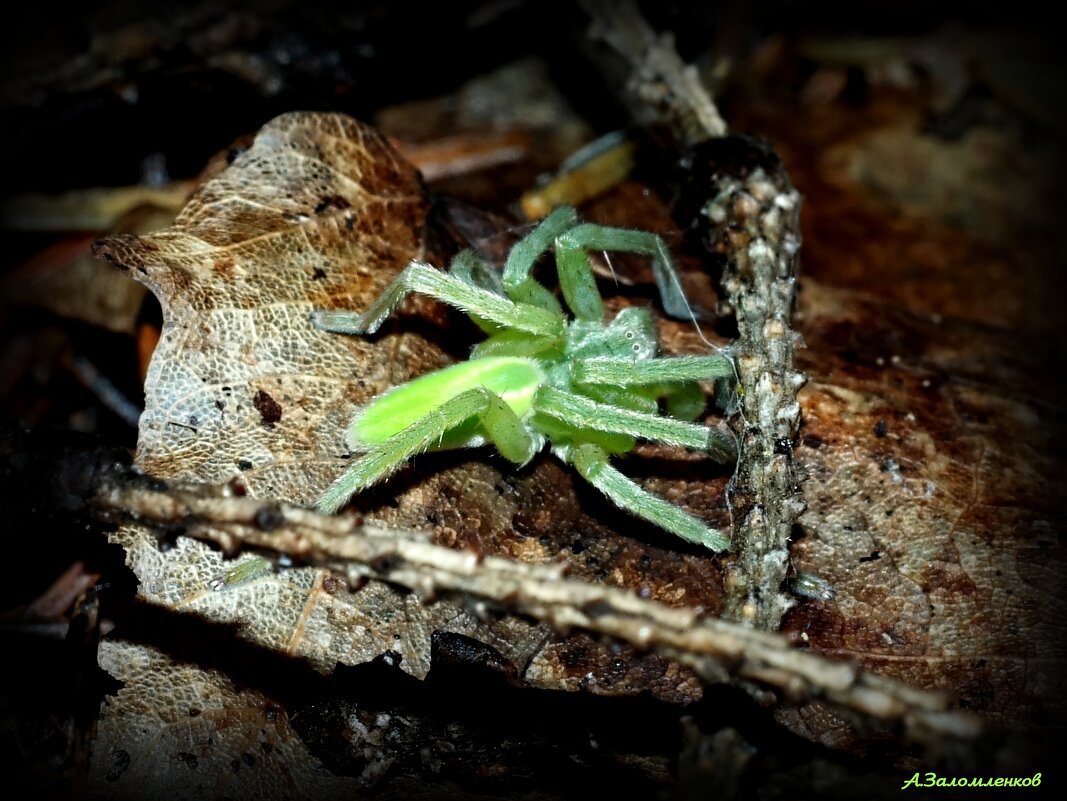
736, 192
661, 87
714, 649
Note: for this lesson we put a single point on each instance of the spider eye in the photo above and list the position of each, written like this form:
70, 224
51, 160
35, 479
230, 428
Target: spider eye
636, 347
629, 334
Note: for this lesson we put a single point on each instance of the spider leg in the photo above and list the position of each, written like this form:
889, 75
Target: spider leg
673, 378
518, 283
512, 343
576, 280
666, 369
676, 375
422, 278
589, 236
499, 423
581, 412
592, 463
470, 268
685, 400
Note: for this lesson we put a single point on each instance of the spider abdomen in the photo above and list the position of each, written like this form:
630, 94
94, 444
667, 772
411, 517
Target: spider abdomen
514, 379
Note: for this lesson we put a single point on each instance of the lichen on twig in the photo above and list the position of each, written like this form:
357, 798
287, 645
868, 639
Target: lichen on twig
741, 199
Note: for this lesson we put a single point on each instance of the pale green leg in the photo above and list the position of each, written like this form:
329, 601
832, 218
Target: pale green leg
642, 399
470, 268
512, 343
592, 463
576, 280
677, 374
589, 236
497, 421
518, 282
685, 401
582, 413
666, 369
241, 571
422, 278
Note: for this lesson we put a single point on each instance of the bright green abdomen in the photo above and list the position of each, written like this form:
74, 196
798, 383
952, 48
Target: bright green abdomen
514, 379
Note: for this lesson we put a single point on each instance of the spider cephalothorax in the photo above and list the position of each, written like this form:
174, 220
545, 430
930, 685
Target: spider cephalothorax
588, 388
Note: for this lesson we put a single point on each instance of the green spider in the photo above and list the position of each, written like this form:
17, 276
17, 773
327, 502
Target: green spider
587, 387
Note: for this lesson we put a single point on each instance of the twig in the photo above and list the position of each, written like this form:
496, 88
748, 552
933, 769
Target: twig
660, 82
741, 198
752, 218
714, 649
105, 390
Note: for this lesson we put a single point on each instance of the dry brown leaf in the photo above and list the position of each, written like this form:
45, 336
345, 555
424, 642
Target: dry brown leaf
319, 211
932, 507
933, 429
68, 281
177, 731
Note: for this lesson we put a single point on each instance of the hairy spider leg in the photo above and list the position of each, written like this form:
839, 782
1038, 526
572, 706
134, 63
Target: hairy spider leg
420, 277
590, 236
685, 401
497, 421
593, 464
518, 281
470, 268
665, 369
581, 412
671, 377
576, 279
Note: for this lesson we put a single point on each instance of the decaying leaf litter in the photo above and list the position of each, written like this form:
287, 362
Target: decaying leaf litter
271, 404
305, 612
308, 614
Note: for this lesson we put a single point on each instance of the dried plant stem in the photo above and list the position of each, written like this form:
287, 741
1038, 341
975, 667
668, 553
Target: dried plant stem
661, 87
714, 649
740, 197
